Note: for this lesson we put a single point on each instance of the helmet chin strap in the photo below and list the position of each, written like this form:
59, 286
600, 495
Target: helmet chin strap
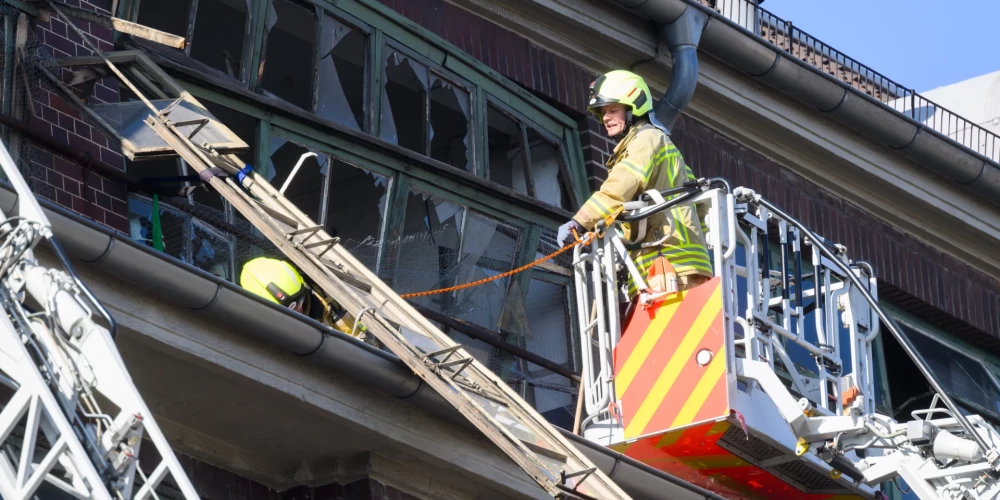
626, 128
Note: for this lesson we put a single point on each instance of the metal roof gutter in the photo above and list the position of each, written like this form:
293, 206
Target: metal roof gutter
207, 294
729, 42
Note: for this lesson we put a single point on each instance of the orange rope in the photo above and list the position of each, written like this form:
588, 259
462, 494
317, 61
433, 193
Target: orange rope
589, 236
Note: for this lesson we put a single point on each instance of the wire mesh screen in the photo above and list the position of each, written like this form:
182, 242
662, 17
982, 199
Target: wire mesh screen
783, 35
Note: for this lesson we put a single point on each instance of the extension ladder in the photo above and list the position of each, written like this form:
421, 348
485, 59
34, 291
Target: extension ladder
481, 396
54, 359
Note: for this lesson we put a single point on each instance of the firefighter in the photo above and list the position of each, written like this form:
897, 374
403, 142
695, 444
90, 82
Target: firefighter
644, 159
277, 281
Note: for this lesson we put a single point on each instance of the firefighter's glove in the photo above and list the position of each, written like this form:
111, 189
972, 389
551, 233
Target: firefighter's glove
207, 174
565, 236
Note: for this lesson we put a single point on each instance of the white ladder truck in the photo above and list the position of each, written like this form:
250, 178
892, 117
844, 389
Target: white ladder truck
74, 423
759, 383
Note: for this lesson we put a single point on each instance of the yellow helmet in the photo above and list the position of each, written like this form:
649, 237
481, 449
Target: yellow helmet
621, 87
276, 281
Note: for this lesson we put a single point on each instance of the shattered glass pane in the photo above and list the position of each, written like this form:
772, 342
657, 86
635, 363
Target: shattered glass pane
219, 32
506, 157
449, 126
404, 103
546, 163
356, 208
165, 15
306, 188
488, 249
211, 251
288, 62
172, 225
424, 256
341, 93
958, 373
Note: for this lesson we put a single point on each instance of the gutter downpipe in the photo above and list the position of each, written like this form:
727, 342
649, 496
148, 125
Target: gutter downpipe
207, 295
760, 59
682, 37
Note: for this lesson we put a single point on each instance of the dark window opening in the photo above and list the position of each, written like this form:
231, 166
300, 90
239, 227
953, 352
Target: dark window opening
341, 92
404, 103
219, 33
307, 187
506, 156
171, 16
245, 127
449, 126
288, 61
964, 377
355, 209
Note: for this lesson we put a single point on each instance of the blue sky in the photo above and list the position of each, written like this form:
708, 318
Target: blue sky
921, 44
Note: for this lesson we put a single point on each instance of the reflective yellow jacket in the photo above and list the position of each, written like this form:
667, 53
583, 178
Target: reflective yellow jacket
646, 159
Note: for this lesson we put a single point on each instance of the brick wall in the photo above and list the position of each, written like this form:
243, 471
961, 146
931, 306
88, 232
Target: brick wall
55, 177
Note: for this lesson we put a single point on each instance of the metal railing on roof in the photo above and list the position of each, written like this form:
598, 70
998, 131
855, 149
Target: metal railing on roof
784, 36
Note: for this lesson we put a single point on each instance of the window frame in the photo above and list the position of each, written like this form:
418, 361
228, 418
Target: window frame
384, 28
988, 362
387, 30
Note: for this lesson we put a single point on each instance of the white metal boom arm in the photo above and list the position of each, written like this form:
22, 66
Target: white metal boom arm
941, 453
54, 361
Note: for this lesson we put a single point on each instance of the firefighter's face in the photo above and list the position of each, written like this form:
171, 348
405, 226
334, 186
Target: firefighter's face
614, 118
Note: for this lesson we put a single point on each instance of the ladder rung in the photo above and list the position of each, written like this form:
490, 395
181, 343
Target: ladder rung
541, 450
310, 229
282, 217
348, 278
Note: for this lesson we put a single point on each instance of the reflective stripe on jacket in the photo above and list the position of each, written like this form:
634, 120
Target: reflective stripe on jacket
646, 159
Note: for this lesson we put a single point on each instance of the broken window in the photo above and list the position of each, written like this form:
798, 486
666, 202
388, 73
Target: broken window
488, 249
449, 127
538, 171
355, 209
964, 377
506, 154
547, 170
424, 255
308, 186
425, 112
341, 88
183, 237
444, 244
220, 32
288, 60
171, 16
404, 102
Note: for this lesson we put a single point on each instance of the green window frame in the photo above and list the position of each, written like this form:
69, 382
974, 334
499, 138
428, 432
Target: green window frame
385, 29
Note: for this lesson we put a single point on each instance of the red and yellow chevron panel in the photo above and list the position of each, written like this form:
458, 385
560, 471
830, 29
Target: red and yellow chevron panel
693, 455
670, 364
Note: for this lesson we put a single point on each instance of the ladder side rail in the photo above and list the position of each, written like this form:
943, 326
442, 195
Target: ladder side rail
385, 300
400, 311
991, 453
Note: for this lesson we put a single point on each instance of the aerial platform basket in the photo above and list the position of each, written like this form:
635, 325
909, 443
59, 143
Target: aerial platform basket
694, 390
684, 413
